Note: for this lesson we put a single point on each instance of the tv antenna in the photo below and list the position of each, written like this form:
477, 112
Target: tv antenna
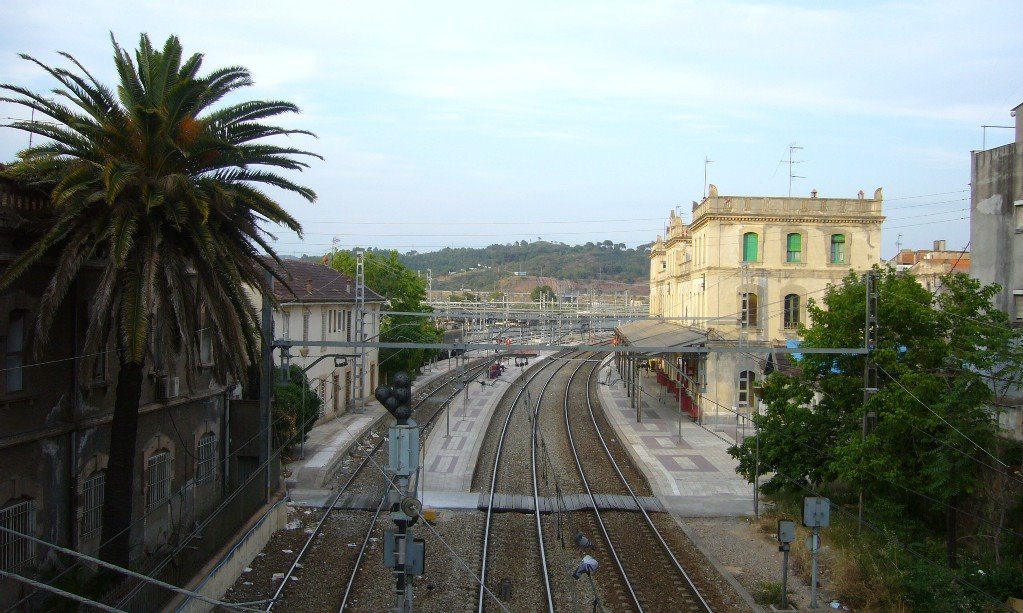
791, 162
706, 162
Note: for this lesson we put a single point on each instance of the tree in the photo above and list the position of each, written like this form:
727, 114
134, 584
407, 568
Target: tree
936, 356
545, 291
161, 187
405, 292
294, 409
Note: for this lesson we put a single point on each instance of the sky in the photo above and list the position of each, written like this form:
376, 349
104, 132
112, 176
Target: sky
454, 124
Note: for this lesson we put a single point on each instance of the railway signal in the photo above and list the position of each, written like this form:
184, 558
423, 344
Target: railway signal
402, 553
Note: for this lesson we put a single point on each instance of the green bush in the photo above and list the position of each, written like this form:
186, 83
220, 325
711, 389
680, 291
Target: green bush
289, 413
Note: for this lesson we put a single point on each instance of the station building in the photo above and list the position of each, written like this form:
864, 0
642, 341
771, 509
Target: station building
734, 283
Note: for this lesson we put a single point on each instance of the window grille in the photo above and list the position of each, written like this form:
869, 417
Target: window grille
791, 311
794, 251
206, 459
158, 479
93, 492
17, 551
838, 249
305, 324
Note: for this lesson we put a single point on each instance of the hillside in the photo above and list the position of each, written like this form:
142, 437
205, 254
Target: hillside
486, 268
519, 267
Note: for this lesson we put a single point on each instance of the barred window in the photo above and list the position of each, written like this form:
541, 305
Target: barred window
748, 310
206, 459
17, 551
158, 479
93, 492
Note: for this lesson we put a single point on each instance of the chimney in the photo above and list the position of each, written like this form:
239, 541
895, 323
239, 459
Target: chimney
939, 245
813, 193
308, 286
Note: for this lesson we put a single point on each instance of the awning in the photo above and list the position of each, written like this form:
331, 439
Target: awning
664, 337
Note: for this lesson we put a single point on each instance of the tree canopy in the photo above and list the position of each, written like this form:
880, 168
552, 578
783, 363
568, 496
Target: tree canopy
160, 182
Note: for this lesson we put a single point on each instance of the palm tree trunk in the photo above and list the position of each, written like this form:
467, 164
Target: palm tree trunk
119, 491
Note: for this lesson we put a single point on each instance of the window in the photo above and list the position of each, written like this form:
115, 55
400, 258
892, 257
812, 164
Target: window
158, 479
1019, 215
748, 310
746, 379
286, 321
794, 247
205, 338
348, 325
206, 459
749, 247
17, 551
1017, 304
838, 248
305, 324
323, 328
791, 315
14, 358
93, 491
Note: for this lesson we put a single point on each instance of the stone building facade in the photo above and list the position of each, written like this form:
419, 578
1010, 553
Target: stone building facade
55, 413
743, 270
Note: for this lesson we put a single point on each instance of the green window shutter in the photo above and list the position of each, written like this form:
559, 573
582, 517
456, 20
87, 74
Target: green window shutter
749, 247
794, 248
837, 248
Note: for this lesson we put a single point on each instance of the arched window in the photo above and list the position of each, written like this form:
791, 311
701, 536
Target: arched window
746, 379
14, 352
794, 247
838, 248
750, 245
791, 316
17, 551
748, 310
158, 478
206, 459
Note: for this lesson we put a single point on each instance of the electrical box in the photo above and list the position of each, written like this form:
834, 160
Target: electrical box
403, 445
816, 512
786, 530
415, 553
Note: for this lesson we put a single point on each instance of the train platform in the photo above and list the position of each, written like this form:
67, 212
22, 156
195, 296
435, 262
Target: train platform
687, 465
328, 444
453, 446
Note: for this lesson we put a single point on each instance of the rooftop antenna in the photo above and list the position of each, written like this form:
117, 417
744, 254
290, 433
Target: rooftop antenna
898, 243
706, 162
983, 142
791, 161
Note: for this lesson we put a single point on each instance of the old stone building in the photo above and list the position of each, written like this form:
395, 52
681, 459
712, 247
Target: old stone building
55, 413
742, 272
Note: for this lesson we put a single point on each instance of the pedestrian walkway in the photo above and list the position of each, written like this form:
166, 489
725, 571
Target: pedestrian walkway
692, 473
327, 444
453, 445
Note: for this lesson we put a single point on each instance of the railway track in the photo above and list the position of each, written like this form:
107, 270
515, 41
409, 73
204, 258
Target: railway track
655, 580
371, 480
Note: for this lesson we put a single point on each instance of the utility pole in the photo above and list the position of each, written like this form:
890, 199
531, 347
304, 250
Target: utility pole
869, 368
429, 284
403, 554
265, 385
360, 328
791, 161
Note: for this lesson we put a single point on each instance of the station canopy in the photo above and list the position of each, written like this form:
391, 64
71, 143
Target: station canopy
666, 337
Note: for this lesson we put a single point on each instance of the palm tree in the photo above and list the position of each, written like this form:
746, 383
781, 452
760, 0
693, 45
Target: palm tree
161, 184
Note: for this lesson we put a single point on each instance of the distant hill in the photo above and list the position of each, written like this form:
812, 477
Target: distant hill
496, 266
521, 266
